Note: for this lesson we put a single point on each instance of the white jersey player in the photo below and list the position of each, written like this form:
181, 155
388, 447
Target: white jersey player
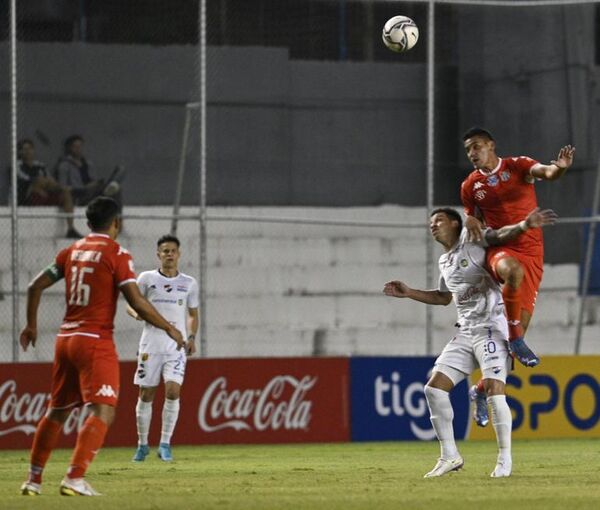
482, 336
175, 295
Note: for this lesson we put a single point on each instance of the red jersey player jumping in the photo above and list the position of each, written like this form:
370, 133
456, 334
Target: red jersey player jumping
86, 368
500, 191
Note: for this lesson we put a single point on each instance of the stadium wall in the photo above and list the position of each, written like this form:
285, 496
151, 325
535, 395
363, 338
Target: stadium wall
295, 400
290, 289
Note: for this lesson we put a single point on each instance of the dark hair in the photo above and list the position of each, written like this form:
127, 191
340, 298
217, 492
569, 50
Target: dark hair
24, 141
477, 131
101, 212
167, 238
453, 214
71, 139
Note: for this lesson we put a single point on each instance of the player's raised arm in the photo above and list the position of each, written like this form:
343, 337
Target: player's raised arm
430, 297
41, 282
535, 219
557, 167
147, 312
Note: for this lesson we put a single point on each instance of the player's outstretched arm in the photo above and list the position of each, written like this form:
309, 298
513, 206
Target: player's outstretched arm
535, 219
147, 312
430, 297
557, 167
41, 282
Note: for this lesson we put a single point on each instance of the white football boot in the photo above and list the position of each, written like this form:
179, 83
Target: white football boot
77, 487
503, 468
31, 489
444, 466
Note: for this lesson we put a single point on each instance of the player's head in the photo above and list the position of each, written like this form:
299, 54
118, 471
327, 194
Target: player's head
25, 148
167, 250
445, 224
74, 145
104, 215
480, 147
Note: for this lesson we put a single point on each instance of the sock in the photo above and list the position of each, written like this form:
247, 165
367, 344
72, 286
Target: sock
169, 419
143, 416
480, 387
89, 441
502, 422
442, 415
45, 439
512, 306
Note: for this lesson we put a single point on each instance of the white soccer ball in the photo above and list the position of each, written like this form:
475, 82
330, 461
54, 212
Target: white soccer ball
400, 33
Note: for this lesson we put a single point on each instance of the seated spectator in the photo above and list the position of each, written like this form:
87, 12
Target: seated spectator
74, 171
36, 187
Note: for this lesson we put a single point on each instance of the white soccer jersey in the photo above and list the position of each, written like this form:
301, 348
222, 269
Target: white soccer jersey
171, 297
476, 294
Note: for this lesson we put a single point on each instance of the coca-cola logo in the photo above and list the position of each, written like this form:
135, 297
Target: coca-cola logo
20, 413
280, 404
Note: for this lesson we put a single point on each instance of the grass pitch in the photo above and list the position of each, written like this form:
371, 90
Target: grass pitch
561, 474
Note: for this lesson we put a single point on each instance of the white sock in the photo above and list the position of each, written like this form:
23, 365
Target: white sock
442, 415
143, 416
169, 419
502, 422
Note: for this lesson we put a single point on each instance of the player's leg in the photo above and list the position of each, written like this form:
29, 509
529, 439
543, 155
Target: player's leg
509, 270
173, 372
437, 393
65, 396
147, 377
98, 367
143, 417
491, 352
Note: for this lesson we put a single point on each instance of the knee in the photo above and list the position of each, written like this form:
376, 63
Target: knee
511, 272
493, 387
172, 394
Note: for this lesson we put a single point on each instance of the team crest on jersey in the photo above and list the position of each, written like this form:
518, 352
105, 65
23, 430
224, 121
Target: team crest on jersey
493, 180
478, 185
505, 176
168, 287
464, 263
480, 195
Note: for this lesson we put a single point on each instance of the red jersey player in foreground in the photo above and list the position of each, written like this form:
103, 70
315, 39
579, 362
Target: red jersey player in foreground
86, 368
498, 192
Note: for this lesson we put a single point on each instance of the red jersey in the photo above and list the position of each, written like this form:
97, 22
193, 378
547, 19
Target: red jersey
94, 268
505, 196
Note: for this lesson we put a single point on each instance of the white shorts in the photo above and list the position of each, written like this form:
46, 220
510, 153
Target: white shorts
150, 368
485, 348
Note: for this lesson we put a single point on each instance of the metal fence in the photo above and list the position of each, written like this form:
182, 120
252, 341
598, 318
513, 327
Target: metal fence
234, 117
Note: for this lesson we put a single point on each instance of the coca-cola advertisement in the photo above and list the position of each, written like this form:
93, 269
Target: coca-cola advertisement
283, 400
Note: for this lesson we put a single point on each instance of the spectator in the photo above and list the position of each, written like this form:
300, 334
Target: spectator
74, 172
36, 187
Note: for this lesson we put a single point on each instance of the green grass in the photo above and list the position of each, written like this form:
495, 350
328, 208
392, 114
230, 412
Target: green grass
547, 475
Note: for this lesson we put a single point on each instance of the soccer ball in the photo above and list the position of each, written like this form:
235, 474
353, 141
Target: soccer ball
400, 33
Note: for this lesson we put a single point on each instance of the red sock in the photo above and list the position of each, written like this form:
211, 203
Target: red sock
512, 306
89, 441
480, 388
44, 441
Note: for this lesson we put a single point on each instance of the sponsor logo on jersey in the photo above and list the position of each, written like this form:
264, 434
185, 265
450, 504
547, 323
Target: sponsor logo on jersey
153, 286
180, 302
505, 176
86, 256
182, 288
145, 356
493, 180
106, 391
480, 195
281, 404
477, 185
464, 263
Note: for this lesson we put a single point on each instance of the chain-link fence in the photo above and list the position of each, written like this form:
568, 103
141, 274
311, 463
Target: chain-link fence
307, 117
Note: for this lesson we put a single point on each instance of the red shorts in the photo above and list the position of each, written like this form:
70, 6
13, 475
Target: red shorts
52, 198
85, 371
533, 269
